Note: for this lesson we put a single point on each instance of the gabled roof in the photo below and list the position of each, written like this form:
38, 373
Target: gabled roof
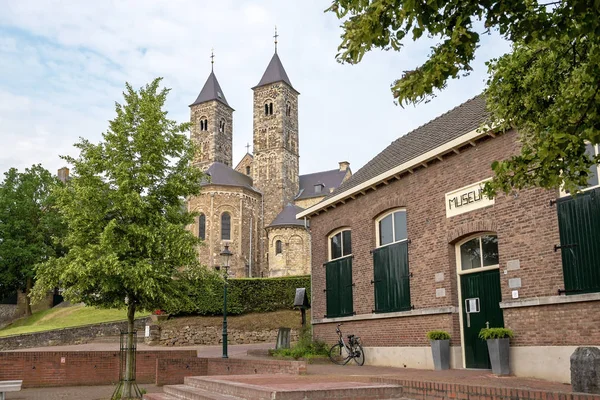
329, 179
456, 126
221, 174
287, 217
274, 73
211, 91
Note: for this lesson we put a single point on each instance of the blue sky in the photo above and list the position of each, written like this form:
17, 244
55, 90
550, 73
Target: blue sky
63, 64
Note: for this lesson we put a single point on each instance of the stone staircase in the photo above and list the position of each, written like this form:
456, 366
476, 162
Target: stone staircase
273, 387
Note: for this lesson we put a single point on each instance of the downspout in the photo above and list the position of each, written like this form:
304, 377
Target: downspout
250, 251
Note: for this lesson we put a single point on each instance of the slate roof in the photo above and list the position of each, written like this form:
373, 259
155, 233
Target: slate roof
274, 73
462, 119
287, 216
211, 91
221, 174
329, 179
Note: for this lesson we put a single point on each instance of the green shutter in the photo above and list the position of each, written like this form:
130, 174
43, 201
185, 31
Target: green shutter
391, 278
579, 227
338, 287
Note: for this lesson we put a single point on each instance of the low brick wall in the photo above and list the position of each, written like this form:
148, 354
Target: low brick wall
79, 368
213, 335
77, 335
171, 371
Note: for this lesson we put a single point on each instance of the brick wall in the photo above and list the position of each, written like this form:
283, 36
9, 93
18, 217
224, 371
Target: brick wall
171, 371
232, 366
525, 222
69, 368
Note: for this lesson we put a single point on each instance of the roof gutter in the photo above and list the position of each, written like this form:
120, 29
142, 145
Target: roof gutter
423, 158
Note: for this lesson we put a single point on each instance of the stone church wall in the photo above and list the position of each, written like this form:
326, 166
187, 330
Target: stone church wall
244, 164
295, 256
244, 207
214, 145
305, 203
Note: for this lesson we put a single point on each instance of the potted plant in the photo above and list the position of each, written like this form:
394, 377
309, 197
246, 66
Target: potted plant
498, 348
159, 315
440, 349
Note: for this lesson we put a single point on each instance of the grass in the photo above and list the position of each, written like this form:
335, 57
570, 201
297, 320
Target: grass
248, 322
64, 317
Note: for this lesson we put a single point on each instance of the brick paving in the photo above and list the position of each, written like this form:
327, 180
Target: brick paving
73, 393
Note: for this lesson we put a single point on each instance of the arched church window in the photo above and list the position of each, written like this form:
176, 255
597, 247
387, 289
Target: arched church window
288, 109
225, 226
270, 108
248, 170
202, 226
278, 247
266, 109
204, 124
221, 126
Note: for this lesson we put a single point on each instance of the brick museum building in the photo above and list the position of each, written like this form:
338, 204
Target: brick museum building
409, 244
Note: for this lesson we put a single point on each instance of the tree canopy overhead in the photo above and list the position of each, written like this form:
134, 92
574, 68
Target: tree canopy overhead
547, 87
126, 214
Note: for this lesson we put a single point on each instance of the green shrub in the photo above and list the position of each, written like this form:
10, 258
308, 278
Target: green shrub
438, 335
305, 348
245, 295
495, 333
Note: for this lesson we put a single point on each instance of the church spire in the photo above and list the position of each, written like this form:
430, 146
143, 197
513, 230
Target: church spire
275, 71
211, 89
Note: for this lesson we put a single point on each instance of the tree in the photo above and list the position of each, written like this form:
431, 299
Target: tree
548, 86
30, 228
126, 215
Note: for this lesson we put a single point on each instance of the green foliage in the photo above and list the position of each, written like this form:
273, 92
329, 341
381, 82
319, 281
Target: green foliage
306, 347
548, 86
438, 335
125, 211
30, 226
495, 333
247, 295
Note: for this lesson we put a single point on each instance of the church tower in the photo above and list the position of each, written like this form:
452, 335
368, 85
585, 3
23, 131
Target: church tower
212, 125
275, 164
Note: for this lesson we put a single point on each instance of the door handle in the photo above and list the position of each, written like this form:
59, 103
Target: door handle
468, 320
487, 324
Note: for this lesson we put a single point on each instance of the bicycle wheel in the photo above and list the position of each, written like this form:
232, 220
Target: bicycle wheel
358, 354
338, 354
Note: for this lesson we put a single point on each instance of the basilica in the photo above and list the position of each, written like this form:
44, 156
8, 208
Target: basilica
252, 207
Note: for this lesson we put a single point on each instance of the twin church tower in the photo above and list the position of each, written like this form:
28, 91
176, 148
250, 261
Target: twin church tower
251, 207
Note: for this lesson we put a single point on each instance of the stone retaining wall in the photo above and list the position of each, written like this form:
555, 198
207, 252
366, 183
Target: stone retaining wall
77, 335
8, 312
213, 335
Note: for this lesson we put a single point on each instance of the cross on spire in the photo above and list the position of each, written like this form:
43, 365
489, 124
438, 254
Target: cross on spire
276, 36
212, 59
248, 148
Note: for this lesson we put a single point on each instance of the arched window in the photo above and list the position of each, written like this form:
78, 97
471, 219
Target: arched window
221, 126
391, 228
203, 124
247, 170
278, 247
478, 252
266, 109
288, 109
202, 226
340, 244
225, 226
270, 108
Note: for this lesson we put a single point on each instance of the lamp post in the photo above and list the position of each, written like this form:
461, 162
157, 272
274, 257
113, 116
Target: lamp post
225, 254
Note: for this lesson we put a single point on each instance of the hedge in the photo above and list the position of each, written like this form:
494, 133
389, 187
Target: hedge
246, 295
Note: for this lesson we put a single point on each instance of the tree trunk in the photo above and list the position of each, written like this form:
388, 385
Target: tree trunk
129, 360
28, 287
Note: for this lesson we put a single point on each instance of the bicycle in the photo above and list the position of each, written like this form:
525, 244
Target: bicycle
341, 353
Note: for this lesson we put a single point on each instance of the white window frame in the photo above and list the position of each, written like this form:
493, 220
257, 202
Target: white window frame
563, 193
459, 269
341, 243
378, 220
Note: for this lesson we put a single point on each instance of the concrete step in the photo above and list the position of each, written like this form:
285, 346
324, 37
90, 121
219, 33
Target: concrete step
186, 392
235, 389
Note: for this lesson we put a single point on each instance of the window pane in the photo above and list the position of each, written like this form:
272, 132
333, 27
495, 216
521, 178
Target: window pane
400, 226
202, 226
336, 246
385, 231
469, 254
489, 245
225, 226
347, 245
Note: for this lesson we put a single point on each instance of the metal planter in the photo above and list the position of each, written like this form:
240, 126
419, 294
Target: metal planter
440, 349
498, 350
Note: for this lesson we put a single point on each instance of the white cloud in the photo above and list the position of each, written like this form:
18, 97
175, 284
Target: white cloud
64, 64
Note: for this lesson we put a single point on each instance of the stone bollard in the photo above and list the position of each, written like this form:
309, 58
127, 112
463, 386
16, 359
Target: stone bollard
585, 370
